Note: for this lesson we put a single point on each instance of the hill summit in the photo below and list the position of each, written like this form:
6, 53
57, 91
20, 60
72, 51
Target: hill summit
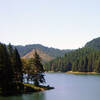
45, 57
95, 43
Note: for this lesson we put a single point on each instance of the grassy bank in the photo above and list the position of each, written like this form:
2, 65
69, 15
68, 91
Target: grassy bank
82, 73
33, 88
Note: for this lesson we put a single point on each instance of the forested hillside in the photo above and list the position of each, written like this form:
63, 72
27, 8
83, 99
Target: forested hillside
95, 43
86, 59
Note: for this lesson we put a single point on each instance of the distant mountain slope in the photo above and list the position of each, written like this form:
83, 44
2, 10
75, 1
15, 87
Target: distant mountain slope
95, 43
45, 57
52, 52
86, 59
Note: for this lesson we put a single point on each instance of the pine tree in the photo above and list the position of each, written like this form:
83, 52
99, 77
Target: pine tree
6, 71
11, 76
17, 64
39, 72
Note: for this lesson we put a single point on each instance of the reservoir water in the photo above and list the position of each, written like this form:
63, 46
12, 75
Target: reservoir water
67, 87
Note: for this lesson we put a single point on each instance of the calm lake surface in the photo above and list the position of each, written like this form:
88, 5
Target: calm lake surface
67, 87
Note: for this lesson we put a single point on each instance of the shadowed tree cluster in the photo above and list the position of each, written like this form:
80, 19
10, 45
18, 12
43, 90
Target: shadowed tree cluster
14, 71
11, 76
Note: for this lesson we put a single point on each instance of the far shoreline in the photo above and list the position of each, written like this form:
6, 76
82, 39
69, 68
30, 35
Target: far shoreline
83, 73
76, 73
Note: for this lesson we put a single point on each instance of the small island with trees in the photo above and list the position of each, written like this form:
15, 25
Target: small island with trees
18, 76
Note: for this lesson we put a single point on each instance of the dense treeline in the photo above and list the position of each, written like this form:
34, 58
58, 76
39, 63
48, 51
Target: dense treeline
82, 60
11, 75
13, 71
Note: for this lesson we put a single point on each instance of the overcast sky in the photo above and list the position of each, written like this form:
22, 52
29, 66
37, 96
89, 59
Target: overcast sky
63, 24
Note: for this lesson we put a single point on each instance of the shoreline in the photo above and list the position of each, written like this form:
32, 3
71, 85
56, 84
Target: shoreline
83, 73
77, 73
28, 88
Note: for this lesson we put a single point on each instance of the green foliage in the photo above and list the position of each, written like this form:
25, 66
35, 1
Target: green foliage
17, 66
5, 69
10, 70
82, 60
34, 70
95, 43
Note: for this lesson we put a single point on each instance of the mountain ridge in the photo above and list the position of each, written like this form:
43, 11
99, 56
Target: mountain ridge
44, 57
49, 52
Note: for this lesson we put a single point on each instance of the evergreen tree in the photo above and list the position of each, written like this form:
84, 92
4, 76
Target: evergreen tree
39, 70
6, 72
82, 60
17, 64
34, 70
11, 77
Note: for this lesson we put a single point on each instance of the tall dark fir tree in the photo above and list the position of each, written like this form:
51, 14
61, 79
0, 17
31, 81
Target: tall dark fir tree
11, 75
39, 70
17, 66
6, 71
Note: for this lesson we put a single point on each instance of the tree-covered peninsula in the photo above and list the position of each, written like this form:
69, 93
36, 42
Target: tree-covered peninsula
13, 72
